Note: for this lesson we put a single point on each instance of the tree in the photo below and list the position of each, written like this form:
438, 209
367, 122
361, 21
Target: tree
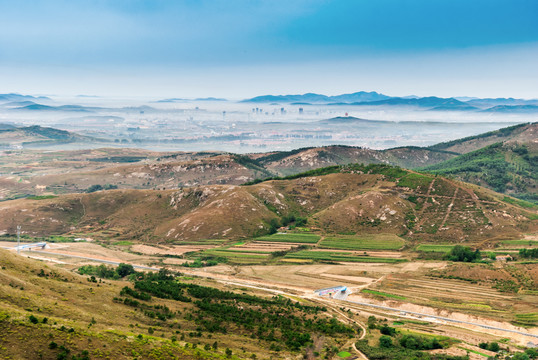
520, 356
385, 341
494, 347
387, 330
463, 254
125, 269
228, 352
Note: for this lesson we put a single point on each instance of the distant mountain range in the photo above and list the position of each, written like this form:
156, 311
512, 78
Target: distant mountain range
19, 97
513, 109
360, 96
173, 100
363, 98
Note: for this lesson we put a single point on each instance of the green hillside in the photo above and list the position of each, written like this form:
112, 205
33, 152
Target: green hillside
510, 168
517, 132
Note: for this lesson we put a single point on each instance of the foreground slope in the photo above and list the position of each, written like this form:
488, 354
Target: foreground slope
50, 313
350, 199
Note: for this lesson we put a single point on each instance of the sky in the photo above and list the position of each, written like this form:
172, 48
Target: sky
243, 48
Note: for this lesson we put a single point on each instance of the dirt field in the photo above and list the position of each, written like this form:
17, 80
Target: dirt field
168, 250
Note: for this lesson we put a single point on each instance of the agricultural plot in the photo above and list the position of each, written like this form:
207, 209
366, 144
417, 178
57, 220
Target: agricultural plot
237, 257
363, 242
338, 256
529, 319
262, 247
459, 295
522, 242
291, 238
434, 248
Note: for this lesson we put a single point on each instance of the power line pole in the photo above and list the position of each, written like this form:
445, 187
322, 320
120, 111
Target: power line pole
18, 239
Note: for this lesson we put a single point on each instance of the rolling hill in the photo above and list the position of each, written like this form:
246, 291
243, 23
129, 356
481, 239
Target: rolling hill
295, 161
521, 132
38, 135
509, 167
347, 199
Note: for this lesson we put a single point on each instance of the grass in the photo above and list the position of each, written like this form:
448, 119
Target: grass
41, 197
384, 294
338, 256
414, 181
343, 354
434, 248
292, 237
474, 352
364, 242
123, 243
520, 242
519, 202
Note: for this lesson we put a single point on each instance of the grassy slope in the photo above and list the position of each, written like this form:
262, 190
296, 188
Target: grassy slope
69, 300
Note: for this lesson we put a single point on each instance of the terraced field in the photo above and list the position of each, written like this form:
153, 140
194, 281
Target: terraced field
339, 256
291, 238
457, 295
434, 248
363, 242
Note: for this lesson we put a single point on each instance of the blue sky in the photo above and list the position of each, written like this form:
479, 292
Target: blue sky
239, 48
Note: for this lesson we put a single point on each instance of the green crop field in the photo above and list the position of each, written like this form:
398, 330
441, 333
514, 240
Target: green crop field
292, 238
380, 293
520, 242
434, 248
364, 242
338, 256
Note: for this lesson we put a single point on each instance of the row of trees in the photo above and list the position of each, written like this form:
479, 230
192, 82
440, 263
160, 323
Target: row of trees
528, 253
107, 272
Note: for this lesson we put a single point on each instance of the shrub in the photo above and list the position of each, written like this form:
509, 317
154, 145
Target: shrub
385, 341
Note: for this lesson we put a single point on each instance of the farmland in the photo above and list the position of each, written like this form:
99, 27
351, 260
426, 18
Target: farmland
434, 248
339, 256
291, 238
363, 242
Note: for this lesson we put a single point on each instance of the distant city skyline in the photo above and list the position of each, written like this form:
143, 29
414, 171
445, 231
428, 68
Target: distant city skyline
239, 49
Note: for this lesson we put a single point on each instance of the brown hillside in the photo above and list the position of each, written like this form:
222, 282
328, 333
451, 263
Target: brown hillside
421, 207
308, 159
521, 133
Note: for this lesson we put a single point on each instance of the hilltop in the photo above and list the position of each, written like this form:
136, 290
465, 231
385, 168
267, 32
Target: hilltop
295, 161
338, 199
38, 135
